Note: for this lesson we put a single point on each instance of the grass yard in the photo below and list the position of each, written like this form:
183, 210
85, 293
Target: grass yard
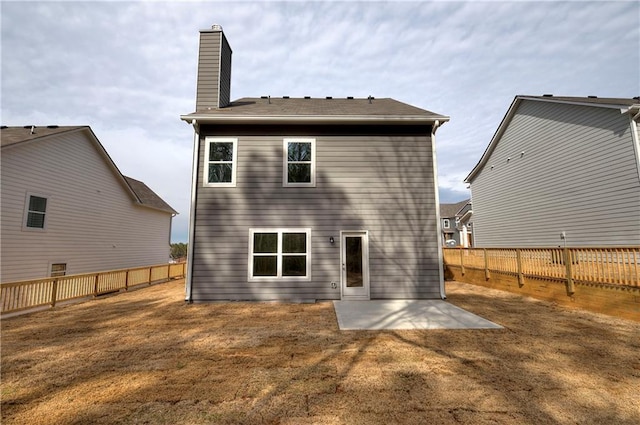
146, 357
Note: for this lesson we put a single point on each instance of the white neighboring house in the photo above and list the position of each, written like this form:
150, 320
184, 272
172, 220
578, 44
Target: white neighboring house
67, 209
560, 166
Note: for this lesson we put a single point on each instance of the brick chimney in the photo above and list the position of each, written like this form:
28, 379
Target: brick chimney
214, 70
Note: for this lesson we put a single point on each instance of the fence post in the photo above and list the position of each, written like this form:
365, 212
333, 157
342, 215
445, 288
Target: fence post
487, 276
567, 262
461, 262
150, 271
519, 261
54, 292
126, 281
95, 286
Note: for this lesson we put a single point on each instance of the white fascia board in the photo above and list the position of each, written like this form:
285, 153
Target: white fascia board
319, 119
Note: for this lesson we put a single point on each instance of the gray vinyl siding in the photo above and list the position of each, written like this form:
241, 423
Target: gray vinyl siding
214, 61
381, 184
578, 174
92, 223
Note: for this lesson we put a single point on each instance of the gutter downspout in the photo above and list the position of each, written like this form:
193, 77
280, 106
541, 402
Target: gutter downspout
634, 137
437, 124
192, 214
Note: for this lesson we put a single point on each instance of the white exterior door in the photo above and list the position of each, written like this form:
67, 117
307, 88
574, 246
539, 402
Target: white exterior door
355, 265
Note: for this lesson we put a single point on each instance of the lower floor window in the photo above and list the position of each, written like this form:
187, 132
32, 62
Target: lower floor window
279, 254
58, 269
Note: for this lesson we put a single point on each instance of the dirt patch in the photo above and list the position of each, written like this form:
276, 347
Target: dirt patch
147, 357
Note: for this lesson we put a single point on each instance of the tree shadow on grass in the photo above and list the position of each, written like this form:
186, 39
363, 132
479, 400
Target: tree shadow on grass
147, 356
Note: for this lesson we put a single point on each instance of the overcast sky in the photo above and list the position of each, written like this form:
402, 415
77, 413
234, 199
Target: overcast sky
128, 69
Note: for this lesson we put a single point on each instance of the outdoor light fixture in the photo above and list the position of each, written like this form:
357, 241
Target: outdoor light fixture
331, 239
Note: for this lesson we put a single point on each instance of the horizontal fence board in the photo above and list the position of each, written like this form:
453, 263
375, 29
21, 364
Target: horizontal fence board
28, 294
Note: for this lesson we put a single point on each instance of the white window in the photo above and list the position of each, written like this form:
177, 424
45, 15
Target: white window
446, 223
35, 212
279, 254
299, 167
220, 159
58, 269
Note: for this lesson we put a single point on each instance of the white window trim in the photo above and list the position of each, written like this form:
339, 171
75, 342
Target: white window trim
285, 162
26, 212
66, 267
234, 162
279, 277
446, 223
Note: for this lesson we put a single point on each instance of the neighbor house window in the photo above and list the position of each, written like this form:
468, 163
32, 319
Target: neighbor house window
279, 254
299, 162
446, 223
35, 212
58, 269
220, 156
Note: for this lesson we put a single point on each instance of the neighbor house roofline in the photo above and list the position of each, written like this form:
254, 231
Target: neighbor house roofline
625, 105
18, 136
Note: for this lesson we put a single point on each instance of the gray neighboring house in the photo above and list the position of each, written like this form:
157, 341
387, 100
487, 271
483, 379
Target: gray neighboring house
67, 209
560, 166
455, 223
309, 198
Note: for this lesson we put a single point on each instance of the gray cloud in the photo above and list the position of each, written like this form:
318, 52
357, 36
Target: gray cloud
128, 69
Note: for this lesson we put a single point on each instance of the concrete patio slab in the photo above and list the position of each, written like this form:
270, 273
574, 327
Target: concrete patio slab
406, 314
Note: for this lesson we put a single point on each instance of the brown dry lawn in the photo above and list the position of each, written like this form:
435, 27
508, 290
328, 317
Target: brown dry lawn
146, 357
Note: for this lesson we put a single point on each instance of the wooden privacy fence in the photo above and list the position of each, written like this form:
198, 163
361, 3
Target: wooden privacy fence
27, 294
609, 266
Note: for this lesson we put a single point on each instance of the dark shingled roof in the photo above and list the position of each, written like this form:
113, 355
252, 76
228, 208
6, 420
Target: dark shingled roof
590, 99
13, 135
147, 196
318, 107
450, 210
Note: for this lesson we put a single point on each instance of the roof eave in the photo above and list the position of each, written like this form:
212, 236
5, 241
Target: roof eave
577, 101
314, 119
496, 136
164, 210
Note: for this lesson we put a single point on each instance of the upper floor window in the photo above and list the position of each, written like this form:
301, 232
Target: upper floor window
445, 223
220, 161
279, 254
299, 168
35, 212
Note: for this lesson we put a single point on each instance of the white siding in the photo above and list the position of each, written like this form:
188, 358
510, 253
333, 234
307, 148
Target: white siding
578, 174
375, 183
92, 222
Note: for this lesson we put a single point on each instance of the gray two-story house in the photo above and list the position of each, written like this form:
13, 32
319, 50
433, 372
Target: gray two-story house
309, 198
